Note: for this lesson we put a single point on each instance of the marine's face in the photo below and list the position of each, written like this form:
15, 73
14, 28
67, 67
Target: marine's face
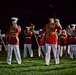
51, 20
73, 27
60, 32
63, 33
28, 30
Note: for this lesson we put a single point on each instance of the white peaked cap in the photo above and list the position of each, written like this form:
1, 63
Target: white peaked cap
40, 29
28, 27
64, 30
73, 25
57, 20
14, 18
68, 26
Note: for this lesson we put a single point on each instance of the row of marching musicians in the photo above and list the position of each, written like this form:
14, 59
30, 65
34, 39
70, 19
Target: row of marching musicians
48, 39
61, 41
67, 41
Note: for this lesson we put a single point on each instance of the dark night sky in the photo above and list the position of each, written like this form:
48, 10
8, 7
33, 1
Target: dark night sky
34, 11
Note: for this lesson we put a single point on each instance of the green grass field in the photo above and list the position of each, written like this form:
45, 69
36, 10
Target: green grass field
36, 66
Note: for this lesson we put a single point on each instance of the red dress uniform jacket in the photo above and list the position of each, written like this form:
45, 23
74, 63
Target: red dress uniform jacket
72, 38
13, 33
27, 38
41, 39
51, 39
68, 40
64, 41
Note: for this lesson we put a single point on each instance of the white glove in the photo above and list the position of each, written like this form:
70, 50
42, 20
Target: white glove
58, 24
57, 20
2, 35
36, 32
15, 24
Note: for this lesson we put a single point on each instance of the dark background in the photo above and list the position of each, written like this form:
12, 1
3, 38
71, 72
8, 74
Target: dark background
35, 11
